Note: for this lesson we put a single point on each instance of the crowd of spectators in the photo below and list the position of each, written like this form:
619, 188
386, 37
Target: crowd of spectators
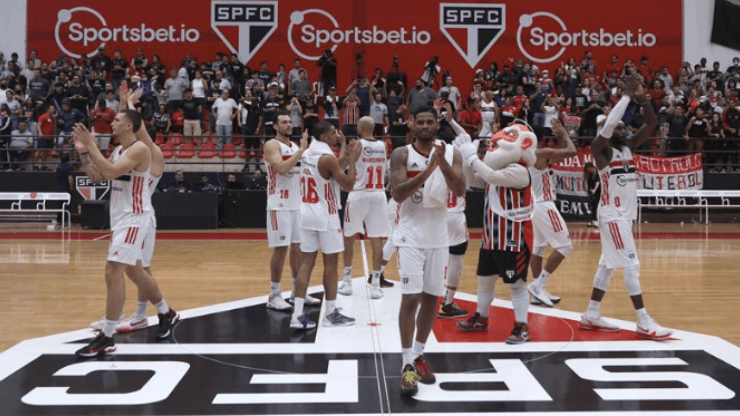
224, 99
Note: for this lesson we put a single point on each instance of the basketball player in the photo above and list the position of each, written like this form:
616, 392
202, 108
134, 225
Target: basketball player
549, 226
421, 237
507, 226
283, 207
366, 204
322, 174
612, 151
131, 217
139, 319
457, 230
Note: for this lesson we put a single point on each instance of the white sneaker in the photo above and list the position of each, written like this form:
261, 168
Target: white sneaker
539, 294
596, 324
129, 325
309, 301
98, 325
553, 299
345, 288
651, 330
276, 301
302, 322
375, 292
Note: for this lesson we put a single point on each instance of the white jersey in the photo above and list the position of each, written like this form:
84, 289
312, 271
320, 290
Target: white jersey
619, 187
455, 204
320, 197
371, 166
130, 194
488, 114
283, 191
417, 226
153, 182
542, 188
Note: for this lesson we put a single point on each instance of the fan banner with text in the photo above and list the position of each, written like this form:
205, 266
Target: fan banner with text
658, 173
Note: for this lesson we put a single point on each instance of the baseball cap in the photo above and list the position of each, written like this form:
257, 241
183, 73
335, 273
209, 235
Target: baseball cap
273, 84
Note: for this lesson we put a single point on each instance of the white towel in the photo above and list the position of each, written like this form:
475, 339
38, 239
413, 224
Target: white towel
435, 188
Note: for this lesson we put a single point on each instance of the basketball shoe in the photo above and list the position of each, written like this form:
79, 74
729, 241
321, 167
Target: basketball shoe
335, 318
650, 329
375, 292
276, 301
451, 310
308, 301
423, 373
539, 294
345, 288
519, 335
474, 323
302, 322
129, 325
383, 282
596, 324
166, 322
99, 346
409, 381
98, 325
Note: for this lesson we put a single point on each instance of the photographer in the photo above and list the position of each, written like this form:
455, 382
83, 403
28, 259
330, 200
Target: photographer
431, 69
328, 65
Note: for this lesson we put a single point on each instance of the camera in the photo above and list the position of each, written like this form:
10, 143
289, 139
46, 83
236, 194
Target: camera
358, 56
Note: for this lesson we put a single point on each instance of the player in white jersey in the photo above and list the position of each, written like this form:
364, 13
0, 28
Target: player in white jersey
549, 226
131, 215
366, 205
422, 245
282, 158
612, 152
322, 175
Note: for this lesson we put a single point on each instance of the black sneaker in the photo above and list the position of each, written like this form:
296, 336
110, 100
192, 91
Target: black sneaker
166, 321
99, 346
383, 282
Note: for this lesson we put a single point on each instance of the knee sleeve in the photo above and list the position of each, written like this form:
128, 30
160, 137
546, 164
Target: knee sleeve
454, 271
459, 249
539, 251
632, 279
388, 249
520, 300
485, 294
565, 250
603, 277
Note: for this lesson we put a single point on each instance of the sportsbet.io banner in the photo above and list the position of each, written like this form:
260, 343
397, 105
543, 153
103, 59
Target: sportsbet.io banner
669, 173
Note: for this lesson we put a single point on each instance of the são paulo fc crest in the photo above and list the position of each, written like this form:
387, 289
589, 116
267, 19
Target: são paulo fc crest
91, 191
472, 28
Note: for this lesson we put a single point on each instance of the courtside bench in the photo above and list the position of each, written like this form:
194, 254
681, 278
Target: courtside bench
35, 203
700, 199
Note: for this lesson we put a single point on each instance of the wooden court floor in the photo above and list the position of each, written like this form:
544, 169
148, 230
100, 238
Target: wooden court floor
689, 277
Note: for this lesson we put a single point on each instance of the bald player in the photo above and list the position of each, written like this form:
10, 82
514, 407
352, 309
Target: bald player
366, 205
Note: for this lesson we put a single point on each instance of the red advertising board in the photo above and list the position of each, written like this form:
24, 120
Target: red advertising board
465, 36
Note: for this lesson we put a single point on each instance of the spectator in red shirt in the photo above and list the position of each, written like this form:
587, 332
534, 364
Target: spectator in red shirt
470, 118
178, 122
519, 99
100, 122
46, 137
645, 70
657, 93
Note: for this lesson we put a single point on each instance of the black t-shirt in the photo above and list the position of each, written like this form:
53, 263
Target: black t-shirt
190, 109
677, 125
119, 73
698, 128
63, 172
39, 88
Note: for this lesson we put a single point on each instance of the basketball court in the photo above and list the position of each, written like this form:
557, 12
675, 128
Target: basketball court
232, 356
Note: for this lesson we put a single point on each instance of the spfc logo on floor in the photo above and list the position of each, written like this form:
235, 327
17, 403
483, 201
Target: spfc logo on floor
472, 28
242, 358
